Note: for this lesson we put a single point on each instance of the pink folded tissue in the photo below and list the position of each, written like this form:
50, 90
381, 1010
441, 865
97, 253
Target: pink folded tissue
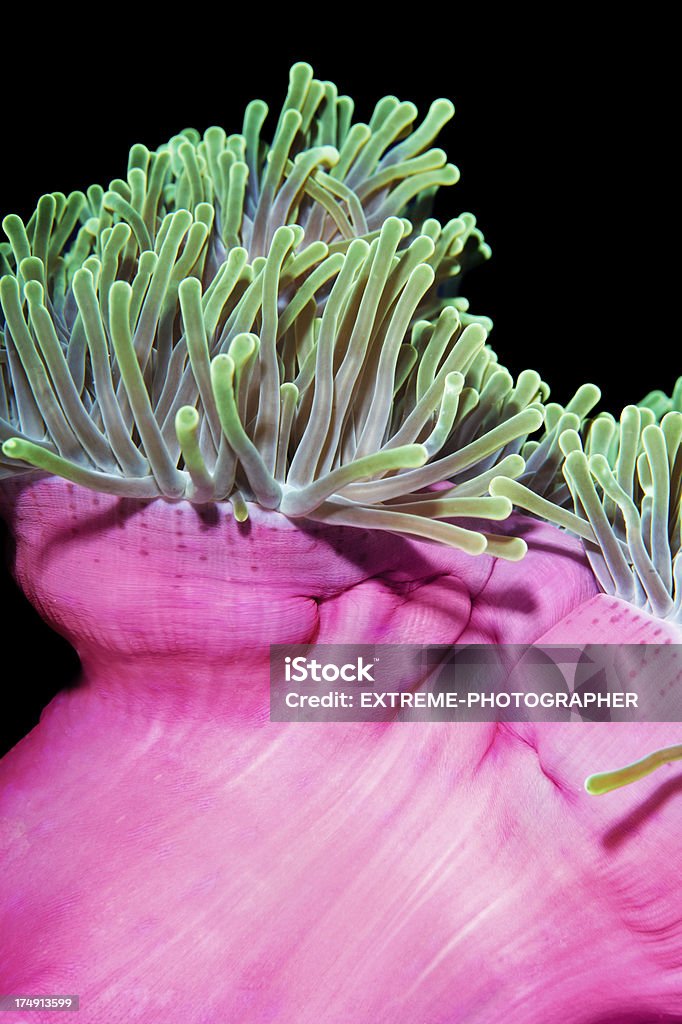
169, 854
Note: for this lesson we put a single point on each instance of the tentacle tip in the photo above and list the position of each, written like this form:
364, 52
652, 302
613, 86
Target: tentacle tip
514, 550
498, 487
301, 67
12, 448
445, 107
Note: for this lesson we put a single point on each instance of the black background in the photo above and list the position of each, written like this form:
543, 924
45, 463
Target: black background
565, 144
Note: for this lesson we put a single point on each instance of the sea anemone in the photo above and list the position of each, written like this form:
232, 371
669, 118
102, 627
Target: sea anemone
243, 403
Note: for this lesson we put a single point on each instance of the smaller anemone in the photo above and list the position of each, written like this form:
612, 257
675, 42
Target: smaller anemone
625, 485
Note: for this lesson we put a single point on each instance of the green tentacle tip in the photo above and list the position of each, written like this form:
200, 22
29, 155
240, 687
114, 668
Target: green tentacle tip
511, 549
187, 418
606, 782
13, 448
498, 508
239, 508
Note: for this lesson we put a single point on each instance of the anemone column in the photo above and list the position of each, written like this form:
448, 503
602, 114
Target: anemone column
171, 854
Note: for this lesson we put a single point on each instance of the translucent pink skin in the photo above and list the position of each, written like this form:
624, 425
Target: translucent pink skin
170, 855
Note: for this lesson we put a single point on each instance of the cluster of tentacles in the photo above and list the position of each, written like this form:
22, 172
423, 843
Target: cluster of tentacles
237, 321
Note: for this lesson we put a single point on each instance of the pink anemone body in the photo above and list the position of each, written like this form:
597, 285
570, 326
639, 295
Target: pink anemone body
169, 854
